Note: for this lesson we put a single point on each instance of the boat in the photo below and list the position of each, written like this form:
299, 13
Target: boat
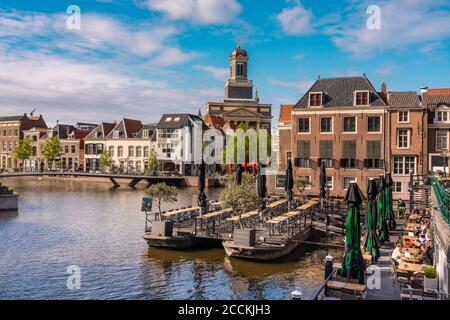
178, 241
267, 250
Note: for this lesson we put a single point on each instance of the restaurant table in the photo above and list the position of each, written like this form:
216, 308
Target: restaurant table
355, 288
336, 285
410, 260
410, 267
367, 258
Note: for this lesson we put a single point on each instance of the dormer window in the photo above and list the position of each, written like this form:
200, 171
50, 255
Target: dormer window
145, 133
361, 98
168, 119
99, 134
116, 134
315, 99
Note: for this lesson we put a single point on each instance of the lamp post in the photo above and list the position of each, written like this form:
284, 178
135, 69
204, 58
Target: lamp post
444, 154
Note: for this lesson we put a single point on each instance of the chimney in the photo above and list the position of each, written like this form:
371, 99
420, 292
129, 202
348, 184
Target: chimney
384, 88
423, 89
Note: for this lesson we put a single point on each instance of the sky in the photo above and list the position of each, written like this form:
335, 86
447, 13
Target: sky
142, 58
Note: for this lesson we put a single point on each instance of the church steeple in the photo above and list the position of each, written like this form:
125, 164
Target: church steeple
238, 86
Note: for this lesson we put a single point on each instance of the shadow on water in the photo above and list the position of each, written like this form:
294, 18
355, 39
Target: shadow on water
5, 216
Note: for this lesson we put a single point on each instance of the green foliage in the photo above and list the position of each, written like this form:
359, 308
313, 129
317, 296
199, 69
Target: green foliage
231, 151
24, 149
301, 183
51, 149
241, 198
162, 193
105, 159
430, 272
152, 161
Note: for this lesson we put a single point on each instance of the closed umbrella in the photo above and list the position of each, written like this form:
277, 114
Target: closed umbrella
323, 183
392, 224
261, 186
239, 174
371, 241
202, 203
353, 266
289, 183
382, 226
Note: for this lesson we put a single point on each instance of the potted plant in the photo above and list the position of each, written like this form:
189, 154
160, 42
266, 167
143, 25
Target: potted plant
431, 280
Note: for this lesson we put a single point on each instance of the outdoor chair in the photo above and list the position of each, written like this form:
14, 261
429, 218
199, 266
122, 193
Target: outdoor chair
409, 293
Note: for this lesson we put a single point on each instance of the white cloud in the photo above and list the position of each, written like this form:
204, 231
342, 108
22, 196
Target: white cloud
299, 56
404, 23
215, 72
70, 91
296, 20
171, 56
302, 85
197, 11
387, 70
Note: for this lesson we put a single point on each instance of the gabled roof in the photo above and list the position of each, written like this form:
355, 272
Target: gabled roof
286, 112
214, 121
62, 131
12, 118
178, 120
433, 98
151, 130
339, 92
127, 129
103, 128
440, 91
403, 99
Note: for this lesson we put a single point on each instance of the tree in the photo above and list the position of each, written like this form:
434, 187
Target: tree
302, 183
160, 193
51, 149
105, 160
231, 151
152, 161
24, 150
241, 198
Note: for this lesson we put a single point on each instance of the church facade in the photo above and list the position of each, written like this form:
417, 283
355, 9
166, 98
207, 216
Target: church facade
240, 104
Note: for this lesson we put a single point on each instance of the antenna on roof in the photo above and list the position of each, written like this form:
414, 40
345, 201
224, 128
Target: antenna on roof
364, 74
32, 112
318, 77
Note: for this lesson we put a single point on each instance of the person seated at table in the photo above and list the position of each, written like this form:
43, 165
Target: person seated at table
422, 239
424, 257
428, 236
397, 254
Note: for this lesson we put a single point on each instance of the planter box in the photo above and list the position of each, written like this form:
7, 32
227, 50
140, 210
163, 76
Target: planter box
430, 284
162, 228
9, 202
245, 238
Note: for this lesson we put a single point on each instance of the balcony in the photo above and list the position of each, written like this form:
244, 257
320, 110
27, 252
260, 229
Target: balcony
373, 163
302, 162
329, 163
348, 163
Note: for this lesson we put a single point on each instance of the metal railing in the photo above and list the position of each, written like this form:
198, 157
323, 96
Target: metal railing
443, 199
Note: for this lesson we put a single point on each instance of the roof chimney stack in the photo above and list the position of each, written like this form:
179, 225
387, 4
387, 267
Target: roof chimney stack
384, 88
423, 89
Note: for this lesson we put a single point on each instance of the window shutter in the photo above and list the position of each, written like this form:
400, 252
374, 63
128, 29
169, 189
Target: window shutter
373, 149
349, 150
303, 149
326, 149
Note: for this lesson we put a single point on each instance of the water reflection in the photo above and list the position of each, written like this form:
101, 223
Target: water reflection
64, 223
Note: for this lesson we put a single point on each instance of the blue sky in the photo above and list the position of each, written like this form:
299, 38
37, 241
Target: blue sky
142, 58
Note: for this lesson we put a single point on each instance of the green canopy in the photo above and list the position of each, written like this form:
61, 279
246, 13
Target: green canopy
382, 225
371, 241
392, 224
353, 265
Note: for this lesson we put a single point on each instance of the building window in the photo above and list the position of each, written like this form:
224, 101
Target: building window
240, 69
373, 155
441, 139
326, 153
138, 152
131, 151
403, 116
145, 133
146, 152
442, 116
402, 138
315, 99
404, 164
397, 187
66, 149
303, 154
280, 181
73, 149
326, 125
116, 134
120, 151
303, 125
362, 98
350, 124
374, 124
307, 180
111, 151
347, 181
348, 159
329, 183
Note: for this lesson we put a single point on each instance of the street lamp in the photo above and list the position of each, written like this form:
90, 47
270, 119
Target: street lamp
444, 154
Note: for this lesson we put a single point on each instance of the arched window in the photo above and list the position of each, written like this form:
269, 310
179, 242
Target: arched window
240, 69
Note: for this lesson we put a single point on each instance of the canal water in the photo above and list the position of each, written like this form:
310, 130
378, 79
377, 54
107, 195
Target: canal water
85, 224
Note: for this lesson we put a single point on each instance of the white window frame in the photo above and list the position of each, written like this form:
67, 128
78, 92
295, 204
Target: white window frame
332, 125
332, 182
399, 120
408, 137
321, 100
381, 124
354, 98
437, 139
403, 163
442, 111
309, 125
394, 187
116, 134
355, 180
309, 179
343, 125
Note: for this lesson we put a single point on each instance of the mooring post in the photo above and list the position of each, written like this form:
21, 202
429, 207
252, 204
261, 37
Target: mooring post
328, 270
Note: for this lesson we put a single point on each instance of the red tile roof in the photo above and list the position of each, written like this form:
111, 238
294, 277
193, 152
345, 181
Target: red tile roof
286, 112
215, 121
436, 92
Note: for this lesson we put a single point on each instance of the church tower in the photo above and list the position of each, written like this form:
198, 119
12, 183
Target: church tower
238, 86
